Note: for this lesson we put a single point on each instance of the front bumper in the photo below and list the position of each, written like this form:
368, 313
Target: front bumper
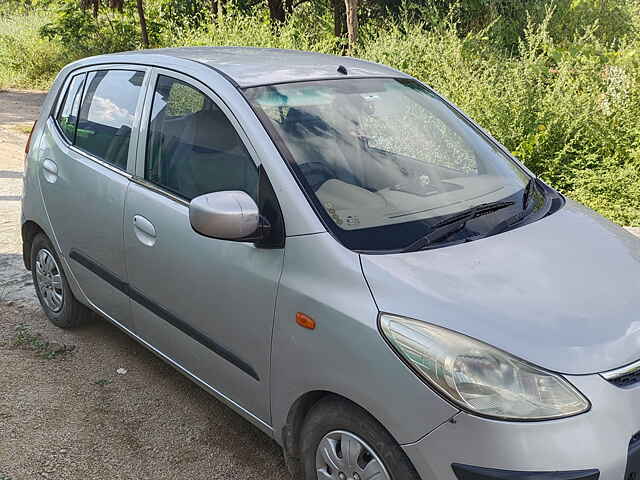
597, 440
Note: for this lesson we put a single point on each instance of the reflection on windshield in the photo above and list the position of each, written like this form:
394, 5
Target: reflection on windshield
383, 152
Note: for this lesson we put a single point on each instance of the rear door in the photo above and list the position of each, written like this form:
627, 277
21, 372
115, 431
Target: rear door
86, 164
206, 303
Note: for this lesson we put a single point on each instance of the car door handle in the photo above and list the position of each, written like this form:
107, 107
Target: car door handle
50, 170
145, 231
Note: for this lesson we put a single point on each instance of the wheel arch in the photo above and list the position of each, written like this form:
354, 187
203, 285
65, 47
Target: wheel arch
291, 432
29, 231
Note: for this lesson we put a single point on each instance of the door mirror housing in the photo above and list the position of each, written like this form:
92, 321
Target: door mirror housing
228, 215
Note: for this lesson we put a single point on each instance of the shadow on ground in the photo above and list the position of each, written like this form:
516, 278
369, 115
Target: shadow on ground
16, 284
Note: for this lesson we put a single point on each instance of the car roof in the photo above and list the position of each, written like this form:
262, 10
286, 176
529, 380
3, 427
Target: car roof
247, 66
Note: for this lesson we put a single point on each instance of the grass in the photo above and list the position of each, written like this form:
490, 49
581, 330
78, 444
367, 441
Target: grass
24, 128
102, 382
26, 59
26, 338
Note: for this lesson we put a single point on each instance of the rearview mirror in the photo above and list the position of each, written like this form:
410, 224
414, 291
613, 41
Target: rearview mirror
230, 215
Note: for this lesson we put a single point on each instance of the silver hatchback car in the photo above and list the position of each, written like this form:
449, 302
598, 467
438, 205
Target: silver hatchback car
344, 258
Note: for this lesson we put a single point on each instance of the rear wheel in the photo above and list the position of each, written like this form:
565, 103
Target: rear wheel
340, 441
52, 288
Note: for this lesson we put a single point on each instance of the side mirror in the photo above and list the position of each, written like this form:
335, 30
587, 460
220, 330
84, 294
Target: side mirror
230, 215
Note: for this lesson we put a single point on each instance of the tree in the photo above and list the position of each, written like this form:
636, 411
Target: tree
352, 22
217, 10
93, 4
279, 10
119, 5
339, 18
143, 23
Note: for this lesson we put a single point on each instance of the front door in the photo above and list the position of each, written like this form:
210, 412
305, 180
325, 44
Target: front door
84, 160
206, 303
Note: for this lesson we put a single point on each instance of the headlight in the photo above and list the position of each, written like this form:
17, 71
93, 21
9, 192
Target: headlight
481, 378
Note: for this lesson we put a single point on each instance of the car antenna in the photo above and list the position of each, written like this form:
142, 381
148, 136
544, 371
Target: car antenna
343, 70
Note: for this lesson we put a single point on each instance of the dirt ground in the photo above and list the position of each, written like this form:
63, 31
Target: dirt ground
68, 414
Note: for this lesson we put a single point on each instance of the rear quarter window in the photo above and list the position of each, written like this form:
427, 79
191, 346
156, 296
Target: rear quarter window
67, 116
107, 114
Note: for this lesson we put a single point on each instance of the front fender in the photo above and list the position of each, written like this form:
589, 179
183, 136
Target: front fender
345, 354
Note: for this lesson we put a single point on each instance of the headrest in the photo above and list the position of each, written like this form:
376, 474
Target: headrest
212, 130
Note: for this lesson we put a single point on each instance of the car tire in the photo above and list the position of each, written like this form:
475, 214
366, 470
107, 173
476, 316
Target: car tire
334, 421
52, 288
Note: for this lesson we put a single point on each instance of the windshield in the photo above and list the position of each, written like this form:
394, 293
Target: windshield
384, 160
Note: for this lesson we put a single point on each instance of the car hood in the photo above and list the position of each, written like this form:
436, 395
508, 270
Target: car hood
562, 292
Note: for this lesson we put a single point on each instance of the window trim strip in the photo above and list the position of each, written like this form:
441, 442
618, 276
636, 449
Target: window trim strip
159, 190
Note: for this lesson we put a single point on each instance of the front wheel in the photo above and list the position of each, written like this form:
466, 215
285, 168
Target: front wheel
340, 441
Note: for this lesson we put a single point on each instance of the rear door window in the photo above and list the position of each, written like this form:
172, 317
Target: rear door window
68, 114
107, 114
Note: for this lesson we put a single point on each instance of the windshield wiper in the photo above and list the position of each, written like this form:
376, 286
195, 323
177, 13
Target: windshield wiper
517, 218
454, 223
528, 192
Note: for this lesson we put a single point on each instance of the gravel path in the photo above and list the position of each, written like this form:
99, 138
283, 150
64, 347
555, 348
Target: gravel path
70, 415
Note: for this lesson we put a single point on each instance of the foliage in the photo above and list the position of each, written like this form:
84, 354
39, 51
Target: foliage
26, 59
26, 338
556, 81
102, 383
82, 34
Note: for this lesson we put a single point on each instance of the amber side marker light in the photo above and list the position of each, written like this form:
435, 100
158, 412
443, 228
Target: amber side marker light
305, 321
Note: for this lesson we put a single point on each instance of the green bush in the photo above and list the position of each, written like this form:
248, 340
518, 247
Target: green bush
305, 31
26, 59
556, 81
